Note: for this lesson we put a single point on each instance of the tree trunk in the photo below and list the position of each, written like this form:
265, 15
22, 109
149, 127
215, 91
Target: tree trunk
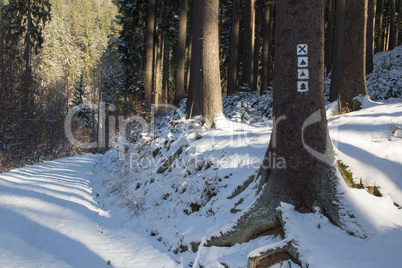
211, 90
339, 37
380, 39
248, 43
194, 98
353, 75
234, 48
266, 47
149, 50
392, 30
299, 165
329, 36
158, 58
166, 71
257, 44
181, 53
370, 35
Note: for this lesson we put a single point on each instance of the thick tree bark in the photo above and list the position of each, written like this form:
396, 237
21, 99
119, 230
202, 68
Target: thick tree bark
234, 48
329, 36
370, 35
299, 165
181, 53
248, 43
392, 30
353, 75
149, 50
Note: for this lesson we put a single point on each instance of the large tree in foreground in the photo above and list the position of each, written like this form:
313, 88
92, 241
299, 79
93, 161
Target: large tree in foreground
299, 166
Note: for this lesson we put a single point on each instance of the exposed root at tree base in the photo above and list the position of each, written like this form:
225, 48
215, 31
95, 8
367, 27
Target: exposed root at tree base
273, 256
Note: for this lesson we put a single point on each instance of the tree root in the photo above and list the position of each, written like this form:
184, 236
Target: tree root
270, 257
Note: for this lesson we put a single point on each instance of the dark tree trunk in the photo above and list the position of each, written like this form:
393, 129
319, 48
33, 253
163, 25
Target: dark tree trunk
304, 173
194, 99
248, 43
370, 35
266, 47
353, 75
339, 37
181, 53
149, 50
329, 36
257, 44
234, 48
166, 71
392, 30
380, 40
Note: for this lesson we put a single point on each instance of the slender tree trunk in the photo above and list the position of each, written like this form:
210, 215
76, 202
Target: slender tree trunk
248, 43
329, 36
149, 50
398, 24
303, 175
339, 38
234, 48
380, 39
392, 30
370, 35
181, 53
257, 44
266, 48
194, 99
353, 76
158, 58
166, 71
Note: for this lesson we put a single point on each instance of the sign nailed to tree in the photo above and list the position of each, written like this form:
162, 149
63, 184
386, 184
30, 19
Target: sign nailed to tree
302, 64
302, 49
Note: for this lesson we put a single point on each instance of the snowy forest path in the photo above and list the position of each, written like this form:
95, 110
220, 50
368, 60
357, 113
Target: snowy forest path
50, 217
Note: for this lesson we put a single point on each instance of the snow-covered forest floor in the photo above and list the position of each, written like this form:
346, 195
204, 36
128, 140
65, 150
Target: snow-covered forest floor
153, 202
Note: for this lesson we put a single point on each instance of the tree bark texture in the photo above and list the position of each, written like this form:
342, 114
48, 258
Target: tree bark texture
211, 90
234, 48
267, 47
149, 50
338, 49
370, 35
392, 30
248, 43
380, 40
307, 177
257, 44
181, 53
353, 75
329, 41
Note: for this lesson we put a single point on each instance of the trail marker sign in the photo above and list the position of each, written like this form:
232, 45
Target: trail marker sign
302, 86
302, 62
302, 74
302, 49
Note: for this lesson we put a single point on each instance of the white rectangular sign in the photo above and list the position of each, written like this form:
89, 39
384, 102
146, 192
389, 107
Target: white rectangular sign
302, 86
302, 49
302, 74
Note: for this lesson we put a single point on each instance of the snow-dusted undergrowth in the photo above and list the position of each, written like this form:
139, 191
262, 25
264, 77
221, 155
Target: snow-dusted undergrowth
178, 183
